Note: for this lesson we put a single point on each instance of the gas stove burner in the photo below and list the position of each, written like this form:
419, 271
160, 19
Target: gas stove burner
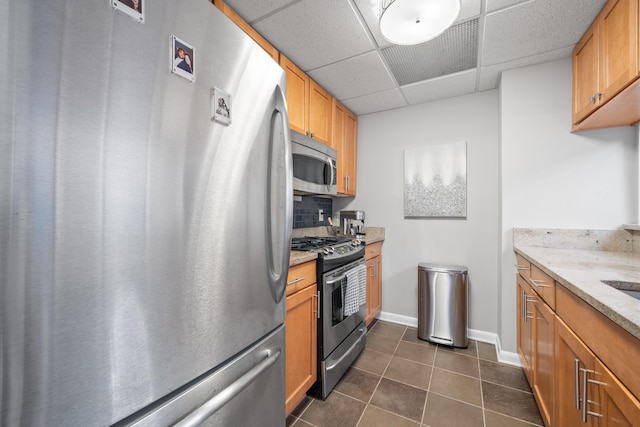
313, 243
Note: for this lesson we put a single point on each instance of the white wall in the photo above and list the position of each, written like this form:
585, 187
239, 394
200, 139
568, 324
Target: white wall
551, 178
382, 139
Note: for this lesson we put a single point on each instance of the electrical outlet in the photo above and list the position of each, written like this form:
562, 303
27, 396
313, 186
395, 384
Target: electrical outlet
320, 215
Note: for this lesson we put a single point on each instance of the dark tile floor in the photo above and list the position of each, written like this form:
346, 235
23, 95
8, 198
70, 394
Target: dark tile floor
399, 380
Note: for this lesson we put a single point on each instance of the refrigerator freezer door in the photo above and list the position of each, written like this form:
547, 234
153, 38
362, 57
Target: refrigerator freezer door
247, 391
134, 243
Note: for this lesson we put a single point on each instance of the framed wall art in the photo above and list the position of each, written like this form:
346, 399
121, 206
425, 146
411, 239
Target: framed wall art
435, 181
133, 8
183, 61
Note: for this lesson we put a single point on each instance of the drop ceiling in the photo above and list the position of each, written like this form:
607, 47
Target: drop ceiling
338, 43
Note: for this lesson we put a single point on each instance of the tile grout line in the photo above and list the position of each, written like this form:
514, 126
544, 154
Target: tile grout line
484, 418
424, 409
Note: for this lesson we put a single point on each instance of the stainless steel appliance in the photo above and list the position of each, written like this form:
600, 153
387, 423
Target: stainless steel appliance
144, 247
314, 166
353, 223
342, 331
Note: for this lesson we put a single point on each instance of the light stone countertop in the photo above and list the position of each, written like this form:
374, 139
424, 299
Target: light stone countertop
300, 257
581, 272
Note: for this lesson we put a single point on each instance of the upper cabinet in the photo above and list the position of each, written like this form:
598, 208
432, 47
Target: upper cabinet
248, 29
605, 69
309, 105
344, 141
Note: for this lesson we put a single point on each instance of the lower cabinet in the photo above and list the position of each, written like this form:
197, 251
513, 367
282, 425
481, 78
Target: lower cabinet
570, 379
301, 344
581, 378
373, 256
536, 346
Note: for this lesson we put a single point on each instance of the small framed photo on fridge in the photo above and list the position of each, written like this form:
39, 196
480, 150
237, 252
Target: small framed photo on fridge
221, 106
183, 61
133, 8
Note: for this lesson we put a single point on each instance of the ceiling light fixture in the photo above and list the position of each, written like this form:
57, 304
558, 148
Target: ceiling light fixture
416, 21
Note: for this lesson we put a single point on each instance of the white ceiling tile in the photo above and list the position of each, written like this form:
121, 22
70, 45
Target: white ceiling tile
250, 10
468, 9
355, 76
535, 27
316, 33
380, 101
489, 76
442, 87
501, 4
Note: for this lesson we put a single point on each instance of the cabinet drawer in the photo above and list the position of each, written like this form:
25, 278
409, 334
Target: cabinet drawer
544, 286
300, 276
523, 266
372, 250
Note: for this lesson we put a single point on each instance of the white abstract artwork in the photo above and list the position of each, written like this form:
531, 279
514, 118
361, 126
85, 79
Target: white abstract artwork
435, 181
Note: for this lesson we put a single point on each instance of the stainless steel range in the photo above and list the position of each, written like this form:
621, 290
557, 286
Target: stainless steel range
341, 274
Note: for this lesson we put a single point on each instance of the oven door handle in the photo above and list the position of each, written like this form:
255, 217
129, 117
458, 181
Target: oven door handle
363, 333
332, 282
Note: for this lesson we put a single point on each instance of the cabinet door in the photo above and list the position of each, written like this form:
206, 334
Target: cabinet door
337, 142
618, 36
525, 326
350, 150
572, 359
586, 81
374, 288
543, 359
618, 407
301, 345
297, 95
319, 118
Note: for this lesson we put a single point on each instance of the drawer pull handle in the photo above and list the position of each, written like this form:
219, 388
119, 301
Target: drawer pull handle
521, 267
538, 283
299, 279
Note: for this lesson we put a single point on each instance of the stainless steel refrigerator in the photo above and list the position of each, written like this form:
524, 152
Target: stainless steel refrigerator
145, 224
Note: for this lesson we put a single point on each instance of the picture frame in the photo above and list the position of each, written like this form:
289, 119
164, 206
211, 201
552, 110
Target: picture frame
133, 8
183, 60
221, 107
435, 181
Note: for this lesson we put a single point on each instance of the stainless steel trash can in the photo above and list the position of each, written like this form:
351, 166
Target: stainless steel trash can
442, 304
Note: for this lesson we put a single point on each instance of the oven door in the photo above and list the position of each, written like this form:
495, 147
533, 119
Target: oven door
335, 325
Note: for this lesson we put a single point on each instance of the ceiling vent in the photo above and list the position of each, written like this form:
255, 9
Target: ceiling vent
455, 50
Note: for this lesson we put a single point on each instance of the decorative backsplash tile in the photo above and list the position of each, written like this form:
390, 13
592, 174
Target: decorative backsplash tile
305, 213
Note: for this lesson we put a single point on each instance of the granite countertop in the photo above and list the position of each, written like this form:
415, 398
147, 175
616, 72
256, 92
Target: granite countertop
300, 257
581, 271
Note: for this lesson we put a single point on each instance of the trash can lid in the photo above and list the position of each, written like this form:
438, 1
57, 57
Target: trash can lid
443, 268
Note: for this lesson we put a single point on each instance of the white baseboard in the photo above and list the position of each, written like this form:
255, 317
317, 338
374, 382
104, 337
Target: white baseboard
506, 357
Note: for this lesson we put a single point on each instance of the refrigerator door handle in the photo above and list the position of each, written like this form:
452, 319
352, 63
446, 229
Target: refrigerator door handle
279, 223
210, 407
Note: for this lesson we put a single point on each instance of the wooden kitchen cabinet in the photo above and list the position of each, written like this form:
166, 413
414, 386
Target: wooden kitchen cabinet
543, 359
572, 357
248, 29
576, 356
308, 104
582, 377
605, 62
301, 335
373, 256
345, 140
536, 345
525, 327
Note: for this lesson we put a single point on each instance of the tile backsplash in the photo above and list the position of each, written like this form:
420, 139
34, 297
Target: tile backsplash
305, 212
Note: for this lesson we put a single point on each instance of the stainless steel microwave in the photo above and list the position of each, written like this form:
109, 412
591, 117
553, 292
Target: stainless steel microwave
314, 166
